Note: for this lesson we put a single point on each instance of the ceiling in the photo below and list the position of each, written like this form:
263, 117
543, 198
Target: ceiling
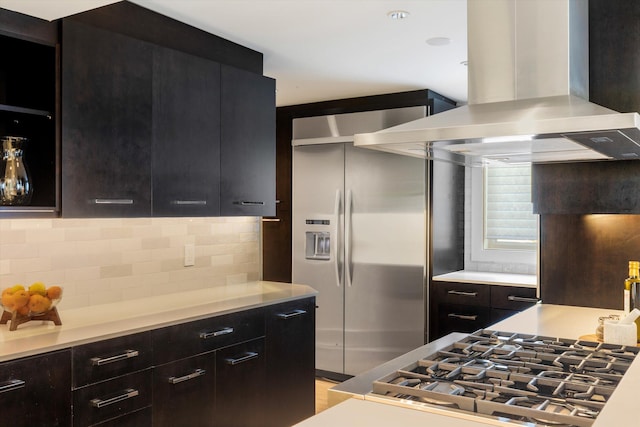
320, 50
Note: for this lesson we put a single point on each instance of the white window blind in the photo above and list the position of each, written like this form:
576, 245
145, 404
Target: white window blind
509, 221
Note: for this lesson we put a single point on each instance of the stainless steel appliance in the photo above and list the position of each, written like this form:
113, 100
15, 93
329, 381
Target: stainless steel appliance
523, 379
359, 238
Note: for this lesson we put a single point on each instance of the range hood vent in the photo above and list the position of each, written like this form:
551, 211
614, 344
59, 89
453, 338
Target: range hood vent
528, 91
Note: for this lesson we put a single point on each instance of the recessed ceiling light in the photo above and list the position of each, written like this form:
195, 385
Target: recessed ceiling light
398, 14
438, 41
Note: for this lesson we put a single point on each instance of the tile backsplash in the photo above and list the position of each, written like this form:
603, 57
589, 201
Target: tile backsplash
108, 260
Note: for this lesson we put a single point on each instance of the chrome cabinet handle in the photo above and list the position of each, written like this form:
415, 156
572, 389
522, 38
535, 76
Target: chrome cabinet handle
522, 299
12, 385
463, 316
463, 293
189, 202
248, 203
249, 355
127, 394
128, 354
270, 219
336, 218
294, 313
224, 331
195, 374
113, 201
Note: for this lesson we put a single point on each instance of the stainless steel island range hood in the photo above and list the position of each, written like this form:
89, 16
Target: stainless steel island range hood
528, 89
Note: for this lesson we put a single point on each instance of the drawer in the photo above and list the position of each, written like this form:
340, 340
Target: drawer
110, 399
141, 418
512, 297
110, 358
462, 318
462, 293
188, 339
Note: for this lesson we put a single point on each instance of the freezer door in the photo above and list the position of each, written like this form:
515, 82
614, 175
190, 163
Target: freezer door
385, 253
318, 198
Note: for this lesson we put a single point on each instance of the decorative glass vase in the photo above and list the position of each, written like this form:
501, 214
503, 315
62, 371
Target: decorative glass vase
15, 186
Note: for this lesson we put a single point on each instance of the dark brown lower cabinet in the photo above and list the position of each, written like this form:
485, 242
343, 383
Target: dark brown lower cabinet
241, 388
290, 362
36, 391
467, 307
251, 368
184, 392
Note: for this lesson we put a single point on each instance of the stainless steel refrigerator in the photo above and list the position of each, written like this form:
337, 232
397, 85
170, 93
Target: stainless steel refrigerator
360, 238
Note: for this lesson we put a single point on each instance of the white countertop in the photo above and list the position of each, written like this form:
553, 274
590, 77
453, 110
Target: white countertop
541, 319
486, 278
105, 321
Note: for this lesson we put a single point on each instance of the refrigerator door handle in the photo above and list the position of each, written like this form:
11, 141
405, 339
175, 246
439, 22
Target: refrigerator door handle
336, 251
347, 237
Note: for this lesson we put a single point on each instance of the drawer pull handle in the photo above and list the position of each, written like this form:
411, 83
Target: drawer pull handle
294, 313
127, 394
207, 335
247, 356
11, 385
128, 354
471, 317
463, 293
248, 203
522, 299
189, 202
113, 201
195, 374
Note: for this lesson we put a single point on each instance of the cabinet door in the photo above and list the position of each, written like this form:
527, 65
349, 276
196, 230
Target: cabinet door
36, 391
184, 392
291, 362
106, 123
248, 149
241, 388
186, 134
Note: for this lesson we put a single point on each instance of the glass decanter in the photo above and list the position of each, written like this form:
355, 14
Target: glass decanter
15, 186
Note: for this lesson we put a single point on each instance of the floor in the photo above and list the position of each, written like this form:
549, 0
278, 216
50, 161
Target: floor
321, 393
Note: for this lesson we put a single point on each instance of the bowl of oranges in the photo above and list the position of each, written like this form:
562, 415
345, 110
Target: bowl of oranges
34, 300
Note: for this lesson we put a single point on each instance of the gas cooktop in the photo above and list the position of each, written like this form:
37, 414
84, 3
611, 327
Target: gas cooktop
524, 379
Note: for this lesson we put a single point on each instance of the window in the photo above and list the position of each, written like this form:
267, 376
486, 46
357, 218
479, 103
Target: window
503, 226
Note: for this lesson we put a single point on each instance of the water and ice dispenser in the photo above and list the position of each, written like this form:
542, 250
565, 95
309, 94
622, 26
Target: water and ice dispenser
318, 243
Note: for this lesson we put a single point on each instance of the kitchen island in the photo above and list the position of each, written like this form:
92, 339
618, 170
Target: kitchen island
352, 408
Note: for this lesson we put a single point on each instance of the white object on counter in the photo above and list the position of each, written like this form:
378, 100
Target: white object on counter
623, 332
620, 333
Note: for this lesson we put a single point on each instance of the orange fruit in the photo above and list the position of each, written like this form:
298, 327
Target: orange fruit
39, 304
24, 310
20, 299
8, 302
54, 292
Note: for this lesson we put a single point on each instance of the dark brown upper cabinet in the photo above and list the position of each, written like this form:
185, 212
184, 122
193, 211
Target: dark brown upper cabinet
28, 76
106, 123
186, 134
248, 149
586, 188
150, 130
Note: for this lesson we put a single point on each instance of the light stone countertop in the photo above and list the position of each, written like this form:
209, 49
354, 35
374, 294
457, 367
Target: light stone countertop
486, 278
94, 323
542, 319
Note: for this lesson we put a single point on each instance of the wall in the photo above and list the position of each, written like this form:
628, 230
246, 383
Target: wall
109, 260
